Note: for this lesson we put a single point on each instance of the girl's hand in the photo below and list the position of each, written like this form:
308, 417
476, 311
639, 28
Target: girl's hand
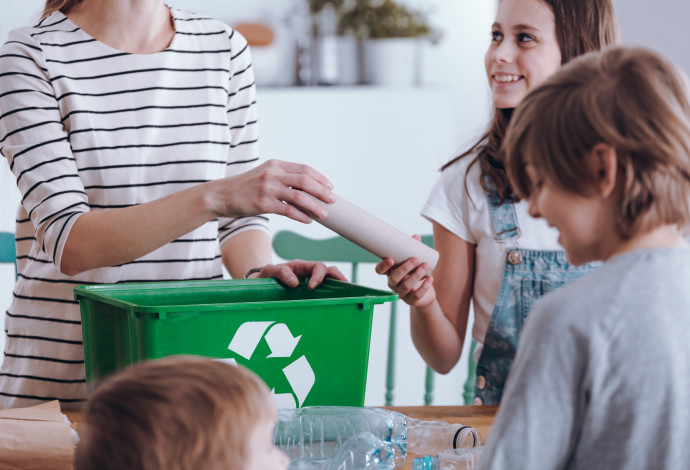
275, 187
411, 280
288, 273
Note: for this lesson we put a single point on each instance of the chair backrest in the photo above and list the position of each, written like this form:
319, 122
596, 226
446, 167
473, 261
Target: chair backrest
8, 253
290, 245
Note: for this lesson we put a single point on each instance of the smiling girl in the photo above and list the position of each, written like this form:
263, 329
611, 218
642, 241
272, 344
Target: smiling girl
493, 253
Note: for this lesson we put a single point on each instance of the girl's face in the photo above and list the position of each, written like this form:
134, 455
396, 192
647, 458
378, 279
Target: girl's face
524, 50
262, 454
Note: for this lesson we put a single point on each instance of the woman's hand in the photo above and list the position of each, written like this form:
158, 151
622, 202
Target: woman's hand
112, 237
411, 280
275, 187
288, 273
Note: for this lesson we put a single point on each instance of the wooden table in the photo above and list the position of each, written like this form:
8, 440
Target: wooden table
479, 417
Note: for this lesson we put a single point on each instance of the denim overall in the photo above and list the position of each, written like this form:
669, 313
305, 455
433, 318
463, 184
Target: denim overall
529, 274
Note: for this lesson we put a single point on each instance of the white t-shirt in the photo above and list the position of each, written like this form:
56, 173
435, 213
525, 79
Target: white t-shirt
469, 218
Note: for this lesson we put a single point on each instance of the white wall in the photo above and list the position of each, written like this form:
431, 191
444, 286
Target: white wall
381, 147
657, 25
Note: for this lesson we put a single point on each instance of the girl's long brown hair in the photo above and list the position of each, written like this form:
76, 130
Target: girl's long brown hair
581, 26
55, 5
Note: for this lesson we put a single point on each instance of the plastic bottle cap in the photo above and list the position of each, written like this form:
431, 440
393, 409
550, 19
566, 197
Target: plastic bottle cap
457, 433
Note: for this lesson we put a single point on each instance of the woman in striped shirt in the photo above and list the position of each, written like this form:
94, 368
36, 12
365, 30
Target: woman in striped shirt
131, 130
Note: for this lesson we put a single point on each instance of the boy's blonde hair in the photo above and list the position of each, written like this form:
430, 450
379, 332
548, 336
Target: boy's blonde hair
175, 413
629, 98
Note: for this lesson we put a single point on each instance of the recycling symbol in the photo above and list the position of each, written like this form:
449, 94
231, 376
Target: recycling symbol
282, 344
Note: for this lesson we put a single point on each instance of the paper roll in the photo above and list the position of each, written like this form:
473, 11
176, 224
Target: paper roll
373, 234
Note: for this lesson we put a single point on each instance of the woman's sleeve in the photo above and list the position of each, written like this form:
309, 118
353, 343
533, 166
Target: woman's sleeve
242, 119
36, 144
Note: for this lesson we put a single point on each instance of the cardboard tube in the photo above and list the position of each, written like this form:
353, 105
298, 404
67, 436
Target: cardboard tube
373, 234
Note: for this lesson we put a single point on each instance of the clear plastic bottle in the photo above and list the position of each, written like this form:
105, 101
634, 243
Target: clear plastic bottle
452, 459
432, 437
361, 452
318, 432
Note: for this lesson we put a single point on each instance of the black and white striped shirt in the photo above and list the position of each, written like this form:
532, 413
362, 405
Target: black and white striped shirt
85, 127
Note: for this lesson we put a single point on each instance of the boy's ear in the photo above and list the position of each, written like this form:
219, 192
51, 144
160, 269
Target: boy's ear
603, 166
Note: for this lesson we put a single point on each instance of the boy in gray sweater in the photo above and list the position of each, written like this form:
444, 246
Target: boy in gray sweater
602, 375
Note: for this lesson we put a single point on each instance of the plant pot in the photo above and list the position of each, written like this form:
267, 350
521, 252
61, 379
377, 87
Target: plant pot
392, 61
338, 61
350, 60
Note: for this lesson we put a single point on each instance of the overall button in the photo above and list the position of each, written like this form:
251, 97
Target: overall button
478, 401
481, 382
514, 257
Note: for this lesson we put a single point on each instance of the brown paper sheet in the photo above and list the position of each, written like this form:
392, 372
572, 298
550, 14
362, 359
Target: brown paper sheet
36, 438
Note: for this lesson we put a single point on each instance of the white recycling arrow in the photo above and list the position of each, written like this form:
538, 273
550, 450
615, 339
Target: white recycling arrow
283, 400
281, 341
247, 337
301, 377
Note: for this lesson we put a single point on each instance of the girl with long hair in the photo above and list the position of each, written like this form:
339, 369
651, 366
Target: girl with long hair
494, 255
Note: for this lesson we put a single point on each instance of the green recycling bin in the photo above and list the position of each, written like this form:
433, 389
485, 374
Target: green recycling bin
311, 347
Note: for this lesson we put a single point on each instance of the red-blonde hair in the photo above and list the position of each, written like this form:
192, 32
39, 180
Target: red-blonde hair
176, 413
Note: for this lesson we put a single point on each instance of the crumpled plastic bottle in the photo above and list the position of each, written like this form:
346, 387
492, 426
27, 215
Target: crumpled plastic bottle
318, 432
361, 452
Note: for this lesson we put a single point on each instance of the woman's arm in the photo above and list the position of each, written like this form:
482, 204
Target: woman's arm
245, 251
252, 249
112, 237
440, 303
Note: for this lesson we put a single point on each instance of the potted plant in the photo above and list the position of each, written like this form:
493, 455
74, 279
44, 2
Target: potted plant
392, 35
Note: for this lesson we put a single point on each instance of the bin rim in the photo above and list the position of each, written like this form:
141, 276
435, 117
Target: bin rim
100, 292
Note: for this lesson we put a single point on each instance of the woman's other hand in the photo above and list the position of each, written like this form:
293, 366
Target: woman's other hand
290, 272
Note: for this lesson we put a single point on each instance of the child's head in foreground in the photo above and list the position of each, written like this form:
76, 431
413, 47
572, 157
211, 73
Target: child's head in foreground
180, 413
601, 150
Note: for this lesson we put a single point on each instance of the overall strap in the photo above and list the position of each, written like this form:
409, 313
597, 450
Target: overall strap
503, 217
506, 228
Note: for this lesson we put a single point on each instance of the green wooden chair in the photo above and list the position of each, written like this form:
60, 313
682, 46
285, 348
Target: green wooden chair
8, 253
468, 394
290, 245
